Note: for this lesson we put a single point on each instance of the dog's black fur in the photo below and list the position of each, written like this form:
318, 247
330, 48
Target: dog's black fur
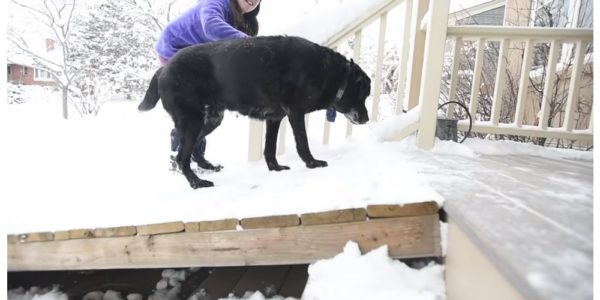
265, 78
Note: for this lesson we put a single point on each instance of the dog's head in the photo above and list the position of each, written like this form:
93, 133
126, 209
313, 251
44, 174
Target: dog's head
352, 103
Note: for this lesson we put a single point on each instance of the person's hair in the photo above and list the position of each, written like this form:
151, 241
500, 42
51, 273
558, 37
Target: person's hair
246, 23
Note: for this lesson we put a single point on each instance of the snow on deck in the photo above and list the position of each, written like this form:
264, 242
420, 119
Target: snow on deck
529, 207
113, 171
531, 213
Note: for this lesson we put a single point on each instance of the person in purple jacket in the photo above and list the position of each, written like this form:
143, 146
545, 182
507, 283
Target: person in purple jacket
208, 21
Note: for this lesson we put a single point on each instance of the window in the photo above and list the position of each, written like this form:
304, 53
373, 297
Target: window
8, 70
42, 75
24, 70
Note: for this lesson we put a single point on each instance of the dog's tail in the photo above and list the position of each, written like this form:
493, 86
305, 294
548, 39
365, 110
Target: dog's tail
152, 96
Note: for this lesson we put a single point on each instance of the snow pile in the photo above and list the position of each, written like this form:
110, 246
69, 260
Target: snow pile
374, 275
36, 293
257, 296
317, 22
516, 148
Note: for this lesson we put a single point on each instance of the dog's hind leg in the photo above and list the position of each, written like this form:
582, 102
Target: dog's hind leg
299, 129
271, 146
189, 133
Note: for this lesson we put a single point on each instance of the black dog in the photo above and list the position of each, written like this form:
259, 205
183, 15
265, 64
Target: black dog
265, 78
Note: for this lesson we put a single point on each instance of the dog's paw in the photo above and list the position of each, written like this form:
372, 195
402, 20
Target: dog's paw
316, 164
199, 183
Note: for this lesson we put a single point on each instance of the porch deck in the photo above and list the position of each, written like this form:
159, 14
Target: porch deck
532, 217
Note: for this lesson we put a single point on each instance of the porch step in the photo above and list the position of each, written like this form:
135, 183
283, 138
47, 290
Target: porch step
410, 231
529, 217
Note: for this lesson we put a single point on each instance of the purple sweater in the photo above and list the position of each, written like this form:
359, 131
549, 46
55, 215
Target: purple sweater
209, 20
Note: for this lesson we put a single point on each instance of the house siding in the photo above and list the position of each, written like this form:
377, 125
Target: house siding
16, 74
490, 17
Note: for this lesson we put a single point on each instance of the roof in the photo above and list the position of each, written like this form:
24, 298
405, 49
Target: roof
460, 9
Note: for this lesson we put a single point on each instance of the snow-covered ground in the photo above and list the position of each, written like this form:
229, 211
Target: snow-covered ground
112, 170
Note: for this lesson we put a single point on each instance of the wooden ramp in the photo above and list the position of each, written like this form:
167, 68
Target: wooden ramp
410, 231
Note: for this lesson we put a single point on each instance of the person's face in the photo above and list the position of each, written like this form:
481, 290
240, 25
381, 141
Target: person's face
248, 5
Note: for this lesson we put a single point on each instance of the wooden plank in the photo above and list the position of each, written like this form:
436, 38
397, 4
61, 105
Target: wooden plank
295, 282
220, 282
406, 237
36, 237
81, 234
408, 210
218, 225
115, 231
61, 235
270, 222
266, 279
170, 227
334, 216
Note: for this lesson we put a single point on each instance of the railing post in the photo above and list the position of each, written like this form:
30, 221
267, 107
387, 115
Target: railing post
255, 141
429, 91
417, 48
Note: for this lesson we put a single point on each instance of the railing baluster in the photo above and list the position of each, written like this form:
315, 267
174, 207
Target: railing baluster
256, 140
356, 56
401, 89
574, 86
458, 45
591, 123
282, 135
524, 83
477, 77
378, 68
500, 82
326, 131
549, 84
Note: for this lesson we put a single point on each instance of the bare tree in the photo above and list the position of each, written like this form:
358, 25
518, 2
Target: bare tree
57, 17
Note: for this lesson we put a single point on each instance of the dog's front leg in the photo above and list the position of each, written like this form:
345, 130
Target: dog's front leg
188, 137
299, 129
271, 146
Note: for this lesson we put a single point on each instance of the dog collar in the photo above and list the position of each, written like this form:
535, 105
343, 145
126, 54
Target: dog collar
342, 89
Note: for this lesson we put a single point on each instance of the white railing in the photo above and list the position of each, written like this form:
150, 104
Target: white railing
506, 36
424, 36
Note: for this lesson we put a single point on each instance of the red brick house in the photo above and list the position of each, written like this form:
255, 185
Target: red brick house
20, 70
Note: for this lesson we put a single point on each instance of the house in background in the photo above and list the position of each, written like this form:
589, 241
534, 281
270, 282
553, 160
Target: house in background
20, 69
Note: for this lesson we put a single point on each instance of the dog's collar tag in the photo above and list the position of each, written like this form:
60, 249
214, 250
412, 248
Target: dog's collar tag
339, 94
